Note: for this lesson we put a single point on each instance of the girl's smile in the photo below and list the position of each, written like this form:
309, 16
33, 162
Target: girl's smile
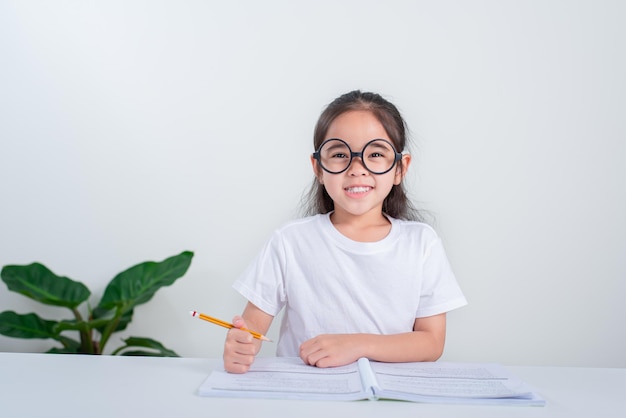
357, 191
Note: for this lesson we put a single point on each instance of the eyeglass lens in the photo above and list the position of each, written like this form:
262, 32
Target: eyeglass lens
378, 156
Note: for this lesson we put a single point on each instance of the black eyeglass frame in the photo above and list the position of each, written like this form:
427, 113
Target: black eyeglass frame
318, 157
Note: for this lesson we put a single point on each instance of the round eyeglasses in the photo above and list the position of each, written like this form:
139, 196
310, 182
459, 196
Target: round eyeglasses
378, 156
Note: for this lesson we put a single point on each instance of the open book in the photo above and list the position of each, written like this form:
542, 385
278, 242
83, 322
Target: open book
437, 382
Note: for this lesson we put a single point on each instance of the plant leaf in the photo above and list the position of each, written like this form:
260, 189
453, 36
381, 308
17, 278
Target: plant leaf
159, 349
37, 282
26, 326
64, 350
143, 353
70, 346
139, 283
69, 343
104, 316
73, 325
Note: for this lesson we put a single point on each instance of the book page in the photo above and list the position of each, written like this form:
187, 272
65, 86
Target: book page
453, 380
286, 378
368, 379
295, 365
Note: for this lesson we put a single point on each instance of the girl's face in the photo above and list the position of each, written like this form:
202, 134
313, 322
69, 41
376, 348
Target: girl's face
357, 192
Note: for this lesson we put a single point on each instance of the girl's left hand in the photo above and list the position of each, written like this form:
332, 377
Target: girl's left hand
331, 350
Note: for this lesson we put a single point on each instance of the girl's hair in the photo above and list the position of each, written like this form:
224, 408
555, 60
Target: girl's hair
396, 204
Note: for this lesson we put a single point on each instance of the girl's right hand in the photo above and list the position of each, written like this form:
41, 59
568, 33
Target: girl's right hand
240, 348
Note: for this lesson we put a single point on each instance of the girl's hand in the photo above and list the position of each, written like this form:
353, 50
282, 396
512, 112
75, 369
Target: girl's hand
240, 348
332, 350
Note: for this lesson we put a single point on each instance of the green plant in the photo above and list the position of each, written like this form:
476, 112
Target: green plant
113, 313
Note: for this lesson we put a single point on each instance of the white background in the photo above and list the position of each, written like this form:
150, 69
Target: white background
134, 130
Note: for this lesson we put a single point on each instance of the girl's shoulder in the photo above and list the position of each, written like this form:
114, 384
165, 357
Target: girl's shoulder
302, 223
412, 228
300, 227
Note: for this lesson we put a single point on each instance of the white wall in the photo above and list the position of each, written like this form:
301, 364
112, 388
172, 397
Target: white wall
131, 131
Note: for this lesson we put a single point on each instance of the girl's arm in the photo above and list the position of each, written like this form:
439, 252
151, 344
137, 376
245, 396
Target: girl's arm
241, 348
425, 343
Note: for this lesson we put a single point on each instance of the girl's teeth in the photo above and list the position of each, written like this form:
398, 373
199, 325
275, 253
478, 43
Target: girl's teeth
358, 189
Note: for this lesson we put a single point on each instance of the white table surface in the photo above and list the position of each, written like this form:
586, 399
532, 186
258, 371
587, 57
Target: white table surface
49, 385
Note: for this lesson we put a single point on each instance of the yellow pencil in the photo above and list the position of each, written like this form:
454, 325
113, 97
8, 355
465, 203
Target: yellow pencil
226, 324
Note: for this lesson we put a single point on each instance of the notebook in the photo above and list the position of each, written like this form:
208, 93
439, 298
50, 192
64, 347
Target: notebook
431, 382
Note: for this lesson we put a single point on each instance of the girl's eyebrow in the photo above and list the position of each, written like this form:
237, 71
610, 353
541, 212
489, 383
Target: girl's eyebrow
342, 145
380, 145
335, 146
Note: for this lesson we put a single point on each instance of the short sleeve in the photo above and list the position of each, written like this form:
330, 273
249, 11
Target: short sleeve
262, 283
440, 290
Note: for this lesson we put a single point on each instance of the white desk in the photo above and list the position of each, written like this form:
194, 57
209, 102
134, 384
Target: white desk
47, 385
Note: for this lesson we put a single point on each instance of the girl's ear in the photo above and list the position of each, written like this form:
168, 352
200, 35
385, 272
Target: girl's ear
402, 169
317, 170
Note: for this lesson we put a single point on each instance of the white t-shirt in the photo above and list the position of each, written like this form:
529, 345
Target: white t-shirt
330, 284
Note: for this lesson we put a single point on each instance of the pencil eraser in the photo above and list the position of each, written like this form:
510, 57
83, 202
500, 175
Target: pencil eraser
193, 313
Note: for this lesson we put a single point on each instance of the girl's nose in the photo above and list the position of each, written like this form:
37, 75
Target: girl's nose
357, 168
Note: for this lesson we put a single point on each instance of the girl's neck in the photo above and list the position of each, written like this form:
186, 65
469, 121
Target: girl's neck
370, 227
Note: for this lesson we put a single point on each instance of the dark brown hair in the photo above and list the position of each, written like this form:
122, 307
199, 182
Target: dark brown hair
396, 204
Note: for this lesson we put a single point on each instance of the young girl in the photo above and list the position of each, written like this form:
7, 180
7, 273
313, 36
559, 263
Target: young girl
360, 277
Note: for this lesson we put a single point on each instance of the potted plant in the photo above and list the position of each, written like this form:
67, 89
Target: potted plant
113, 313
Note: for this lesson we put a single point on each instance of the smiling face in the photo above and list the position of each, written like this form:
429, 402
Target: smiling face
356, 192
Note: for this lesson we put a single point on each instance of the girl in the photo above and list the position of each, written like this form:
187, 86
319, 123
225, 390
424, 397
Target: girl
360, 277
